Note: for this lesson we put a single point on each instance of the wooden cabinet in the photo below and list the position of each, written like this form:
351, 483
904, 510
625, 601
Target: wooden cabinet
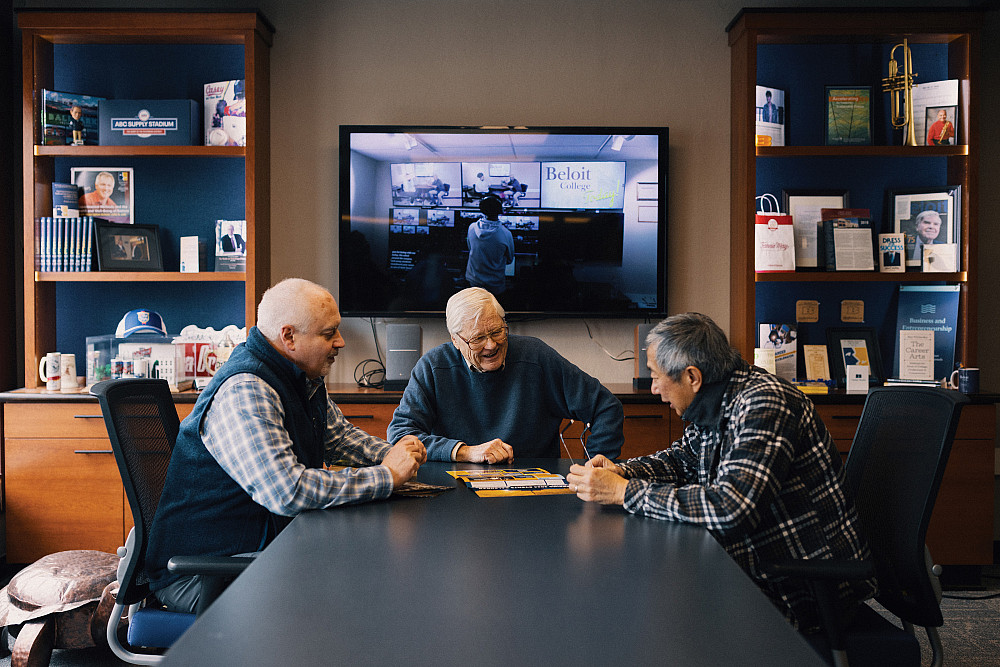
63, 489
961, 527
181, 189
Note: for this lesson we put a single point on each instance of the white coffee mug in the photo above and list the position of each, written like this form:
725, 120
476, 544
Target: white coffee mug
68, 366
49, 369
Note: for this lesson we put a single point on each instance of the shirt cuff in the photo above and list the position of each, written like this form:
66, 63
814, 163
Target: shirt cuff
454, 450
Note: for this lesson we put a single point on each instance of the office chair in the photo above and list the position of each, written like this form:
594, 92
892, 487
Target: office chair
142, 425
893, 473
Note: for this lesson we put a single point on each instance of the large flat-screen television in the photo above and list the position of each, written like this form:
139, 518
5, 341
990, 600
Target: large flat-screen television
582, 232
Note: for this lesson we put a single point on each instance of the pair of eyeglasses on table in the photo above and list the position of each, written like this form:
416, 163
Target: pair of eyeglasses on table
584, 435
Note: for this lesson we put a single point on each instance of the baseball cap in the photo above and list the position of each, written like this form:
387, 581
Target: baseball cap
140, 320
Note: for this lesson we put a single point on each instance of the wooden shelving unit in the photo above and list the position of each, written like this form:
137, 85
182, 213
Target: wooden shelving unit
43, 33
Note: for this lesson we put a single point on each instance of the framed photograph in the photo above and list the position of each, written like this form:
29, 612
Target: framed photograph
940, 124
848, 115
925, 217
127, 247
804, 206
854, 346
106, 192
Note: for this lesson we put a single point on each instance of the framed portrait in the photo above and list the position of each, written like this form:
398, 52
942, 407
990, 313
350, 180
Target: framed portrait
854, 346
127, 247
925, 217
848, 115
805, 207
942, 129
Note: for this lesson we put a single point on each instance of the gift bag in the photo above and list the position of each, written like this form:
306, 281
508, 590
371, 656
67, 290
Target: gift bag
774, 237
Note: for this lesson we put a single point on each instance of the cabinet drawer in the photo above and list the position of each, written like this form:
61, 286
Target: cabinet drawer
372, 418
53, 420
648, 429
62, 493
976, 421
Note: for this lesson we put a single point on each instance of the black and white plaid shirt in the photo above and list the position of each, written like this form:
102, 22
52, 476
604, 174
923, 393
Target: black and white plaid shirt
756, 467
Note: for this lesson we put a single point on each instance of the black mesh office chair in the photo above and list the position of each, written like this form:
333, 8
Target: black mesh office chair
142, 425
893, 472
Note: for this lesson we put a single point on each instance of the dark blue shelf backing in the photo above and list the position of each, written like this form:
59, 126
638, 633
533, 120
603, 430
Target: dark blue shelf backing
776, 303
804, 71
94, 309
145, 71
183, 196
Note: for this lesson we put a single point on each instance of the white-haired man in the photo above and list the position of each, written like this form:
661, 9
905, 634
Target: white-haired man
487, 397
251, 454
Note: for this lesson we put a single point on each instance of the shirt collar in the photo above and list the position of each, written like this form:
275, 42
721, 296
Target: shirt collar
706, 406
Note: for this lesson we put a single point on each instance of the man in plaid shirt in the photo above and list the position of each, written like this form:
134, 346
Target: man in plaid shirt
755, 466
251, 454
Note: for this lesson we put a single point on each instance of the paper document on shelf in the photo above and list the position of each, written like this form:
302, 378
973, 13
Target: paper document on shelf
853, 249
932, 94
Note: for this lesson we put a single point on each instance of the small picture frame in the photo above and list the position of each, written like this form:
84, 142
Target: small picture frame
941, 127
854, 346
127, 247
925, 217
848, 115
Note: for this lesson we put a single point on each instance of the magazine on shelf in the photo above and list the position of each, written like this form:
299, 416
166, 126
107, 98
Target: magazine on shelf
769, 115
782, 339
225, 113
849, 244
66, 113
931, 308
106, 192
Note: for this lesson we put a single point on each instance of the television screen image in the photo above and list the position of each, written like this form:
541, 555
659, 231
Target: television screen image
425, 184
516, 184
596, 185
569, 242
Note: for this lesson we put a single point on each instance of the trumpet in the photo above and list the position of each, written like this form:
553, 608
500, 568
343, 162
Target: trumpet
900, 89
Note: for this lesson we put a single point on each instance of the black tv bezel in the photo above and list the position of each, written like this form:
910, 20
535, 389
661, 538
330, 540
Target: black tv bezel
663, 145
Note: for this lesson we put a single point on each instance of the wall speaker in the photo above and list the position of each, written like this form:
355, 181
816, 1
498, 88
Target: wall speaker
641, 378
402, 343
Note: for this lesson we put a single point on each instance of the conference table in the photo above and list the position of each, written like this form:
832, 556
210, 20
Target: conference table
463, 579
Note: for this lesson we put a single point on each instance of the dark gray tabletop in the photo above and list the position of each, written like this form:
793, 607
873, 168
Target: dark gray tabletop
459, 579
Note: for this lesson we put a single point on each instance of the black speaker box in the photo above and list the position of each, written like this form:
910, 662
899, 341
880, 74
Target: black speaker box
402, 352
641, 378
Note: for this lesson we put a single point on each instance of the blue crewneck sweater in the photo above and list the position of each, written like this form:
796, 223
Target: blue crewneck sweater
202, 510
523, 403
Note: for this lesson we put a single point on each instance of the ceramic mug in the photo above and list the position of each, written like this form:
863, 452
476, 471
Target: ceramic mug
49, 369
68, 367
966, 380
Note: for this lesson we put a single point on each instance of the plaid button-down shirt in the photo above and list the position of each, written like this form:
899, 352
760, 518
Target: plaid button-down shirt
243, 429
757, 467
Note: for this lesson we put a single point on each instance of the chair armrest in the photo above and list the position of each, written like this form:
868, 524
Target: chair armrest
821, 568
210, 566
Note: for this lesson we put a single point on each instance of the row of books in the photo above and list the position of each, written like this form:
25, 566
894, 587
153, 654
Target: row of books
64, 244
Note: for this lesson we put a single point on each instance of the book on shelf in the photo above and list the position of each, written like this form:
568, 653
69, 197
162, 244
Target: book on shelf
890, 253
65, 243
769, 115
782, 339
848, 115
106, 192
230, 245
66, 113
916, 354
930, 308
848, 244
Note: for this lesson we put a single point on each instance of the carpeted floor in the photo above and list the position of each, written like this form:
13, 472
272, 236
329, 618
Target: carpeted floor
970, 636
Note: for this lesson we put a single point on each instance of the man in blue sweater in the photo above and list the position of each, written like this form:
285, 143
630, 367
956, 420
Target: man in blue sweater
487, 397
251, 454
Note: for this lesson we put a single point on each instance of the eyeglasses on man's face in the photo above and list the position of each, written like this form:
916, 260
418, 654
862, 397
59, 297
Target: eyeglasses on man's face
476, 343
